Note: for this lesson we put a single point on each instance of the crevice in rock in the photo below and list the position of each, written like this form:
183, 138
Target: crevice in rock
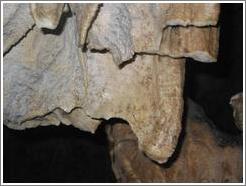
111, 121
94, 118
61, 25
124, 63
48, 113
19, 40
102, 51
196, 54
84, 45
189, 26
157, 54
115, 120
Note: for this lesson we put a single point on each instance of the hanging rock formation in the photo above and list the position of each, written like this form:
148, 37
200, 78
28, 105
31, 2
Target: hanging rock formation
103, 61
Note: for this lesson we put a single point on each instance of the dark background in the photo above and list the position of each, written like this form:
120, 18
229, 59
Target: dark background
213, 84
66, 154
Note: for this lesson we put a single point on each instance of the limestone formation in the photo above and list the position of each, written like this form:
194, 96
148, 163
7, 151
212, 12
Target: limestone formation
176, 30
198, 157
85, 15
16, 23
108, 60
47, 15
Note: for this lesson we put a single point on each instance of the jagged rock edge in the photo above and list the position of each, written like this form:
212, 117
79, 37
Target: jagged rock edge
23, 124
187, 55
84, 45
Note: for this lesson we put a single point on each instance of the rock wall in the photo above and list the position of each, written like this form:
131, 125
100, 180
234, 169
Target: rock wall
102, 61
199, 156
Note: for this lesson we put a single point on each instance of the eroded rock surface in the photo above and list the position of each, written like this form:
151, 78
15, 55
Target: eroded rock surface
16, 23
134, 93
148, 28
42, 77
198, 159
85, 15
110, 60
47, 15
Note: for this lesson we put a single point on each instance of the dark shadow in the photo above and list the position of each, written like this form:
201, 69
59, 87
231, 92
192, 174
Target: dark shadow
103, 51
115, 120
17, 42
123, 64
84, 47
60, 27
212, 85
56, 154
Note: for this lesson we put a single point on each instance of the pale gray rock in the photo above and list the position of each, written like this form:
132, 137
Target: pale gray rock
16, 23
41, 75
112, 31
85, 16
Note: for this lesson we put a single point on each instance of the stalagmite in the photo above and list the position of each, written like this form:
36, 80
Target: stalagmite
109, 60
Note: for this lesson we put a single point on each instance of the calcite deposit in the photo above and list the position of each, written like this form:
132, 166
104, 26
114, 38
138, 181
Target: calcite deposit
105, 60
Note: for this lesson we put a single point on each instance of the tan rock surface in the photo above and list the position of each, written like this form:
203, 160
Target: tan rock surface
133, 93
47, 15
52, 77
124, 29
198, 158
